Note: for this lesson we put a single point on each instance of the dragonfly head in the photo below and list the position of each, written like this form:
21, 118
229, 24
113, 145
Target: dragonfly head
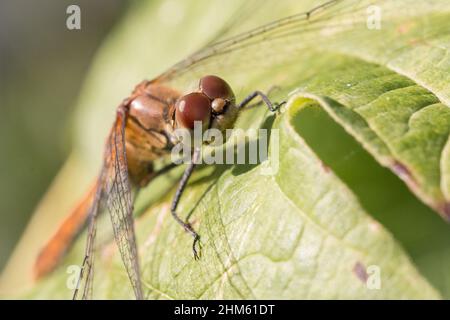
213, 104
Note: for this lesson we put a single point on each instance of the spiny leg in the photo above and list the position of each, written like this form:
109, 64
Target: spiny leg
273, 107
182, 185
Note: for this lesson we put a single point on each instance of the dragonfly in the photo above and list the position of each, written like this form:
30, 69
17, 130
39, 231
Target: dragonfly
143, 132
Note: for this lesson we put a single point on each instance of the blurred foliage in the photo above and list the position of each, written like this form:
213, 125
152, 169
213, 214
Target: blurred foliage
42, 65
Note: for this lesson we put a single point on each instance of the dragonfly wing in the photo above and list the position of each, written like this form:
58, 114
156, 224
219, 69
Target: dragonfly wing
86, 278
220, 54
119, 199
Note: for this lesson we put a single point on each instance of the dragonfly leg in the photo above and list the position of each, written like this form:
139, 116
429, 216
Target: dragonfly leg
181, 187
273, 107
260, 102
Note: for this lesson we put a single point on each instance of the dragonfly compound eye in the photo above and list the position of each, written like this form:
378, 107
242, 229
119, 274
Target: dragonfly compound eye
216, 88
193, 107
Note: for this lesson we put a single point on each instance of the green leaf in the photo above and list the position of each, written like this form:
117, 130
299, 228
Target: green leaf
301, 233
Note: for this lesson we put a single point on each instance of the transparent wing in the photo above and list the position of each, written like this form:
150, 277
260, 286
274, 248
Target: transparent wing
86, 277
270, 38
114, 192
119, 199
263, 56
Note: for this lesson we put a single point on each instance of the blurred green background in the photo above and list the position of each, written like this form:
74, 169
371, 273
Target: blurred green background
42, 66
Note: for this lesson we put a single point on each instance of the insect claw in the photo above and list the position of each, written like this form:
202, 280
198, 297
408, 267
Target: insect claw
196, 253
277, 107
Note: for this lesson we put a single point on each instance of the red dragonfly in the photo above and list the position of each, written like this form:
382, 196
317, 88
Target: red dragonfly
143, 132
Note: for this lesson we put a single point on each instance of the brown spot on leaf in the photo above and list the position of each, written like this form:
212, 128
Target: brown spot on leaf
444, 210
325, 167
403, 172
360, 271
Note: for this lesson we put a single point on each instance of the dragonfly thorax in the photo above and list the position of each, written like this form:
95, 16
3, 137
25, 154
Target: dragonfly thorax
149, 128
